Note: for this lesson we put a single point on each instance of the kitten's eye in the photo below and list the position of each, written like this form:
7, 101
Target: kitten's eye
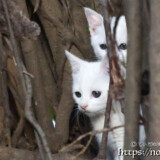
123, 46
96, 94
103, 46
78, 94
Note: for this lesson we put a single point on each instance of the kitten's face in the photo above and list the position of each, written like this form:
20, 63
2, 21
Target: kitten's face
98, 35
97, 32
98, 42
121, 38
90, 84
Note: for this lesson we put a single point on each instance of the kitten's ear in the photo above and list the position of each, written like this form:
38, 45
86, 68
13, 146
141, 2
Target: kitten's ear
105, 64
75, 62
94, 19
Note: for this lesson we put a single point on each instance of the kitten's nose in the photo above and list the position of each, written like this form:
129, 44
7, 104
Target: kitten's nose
84, 107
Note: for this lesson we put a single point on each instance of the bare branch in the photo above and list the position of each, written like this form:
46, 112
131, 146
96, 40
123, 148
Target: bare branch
27, 87
14, 45
91, 133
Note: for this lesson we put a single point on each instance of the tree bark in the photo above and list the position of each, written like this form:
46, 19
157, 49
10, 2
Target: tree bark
19, 154
154, 64
133, 80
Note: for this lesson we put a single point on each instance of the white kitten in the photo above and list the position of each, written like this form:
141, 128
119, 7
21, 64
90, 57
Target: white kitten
121, 38
98, 35
90, 92
97, 32
90, 84
116, 117
116, 137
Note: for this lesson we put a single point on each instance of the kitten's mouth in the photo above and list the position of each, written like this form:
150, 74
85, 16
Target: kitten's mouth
85, 111
96, 112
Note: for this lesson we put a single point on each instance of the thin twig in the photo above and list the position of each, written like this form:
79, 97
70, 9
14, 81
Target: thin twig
91, 133
84, 148
29, 74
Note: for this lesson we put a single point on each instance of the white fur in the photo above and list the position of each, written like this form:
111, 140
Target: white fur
98, 35
116, 119
120, 36
116, 137
98, 123
94, 76
97, 31
88, 77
